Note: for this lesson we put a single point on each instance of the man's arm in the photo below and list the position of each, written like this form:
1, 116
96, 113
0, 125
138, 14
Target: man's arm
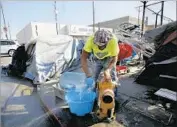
85, 53
84, 65
111, 63
113, 60
114, 54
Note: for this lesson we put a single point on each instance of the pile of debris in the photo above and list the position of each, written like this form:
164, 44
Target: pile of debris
161, 68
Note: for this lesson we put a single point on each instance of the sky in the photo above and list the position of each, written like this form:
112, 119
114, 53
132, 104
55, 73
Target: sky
20, 13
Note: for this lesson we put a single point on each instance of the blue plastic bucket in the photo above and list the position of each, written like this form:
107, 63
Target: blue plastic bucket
80, 103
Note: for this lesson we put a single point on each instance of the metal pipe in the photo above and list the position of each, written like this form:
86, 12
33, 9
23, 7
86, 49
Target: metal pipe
93, 8
144, 8
162, 8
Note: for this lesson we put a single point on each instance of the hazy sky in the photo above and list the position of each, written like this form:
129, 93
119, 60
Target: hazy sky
19, 13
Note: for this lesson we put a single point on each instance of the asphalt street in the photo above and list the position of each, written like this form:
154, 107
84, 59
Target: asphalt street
20, 106
8, 87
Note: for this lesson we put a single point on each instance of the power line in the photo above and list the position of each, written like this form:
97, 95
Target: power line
150, 4
159, 14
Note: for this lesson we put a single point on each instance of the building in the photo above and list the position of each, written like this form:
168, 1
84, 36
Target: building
81, 31
114, 23
35, 29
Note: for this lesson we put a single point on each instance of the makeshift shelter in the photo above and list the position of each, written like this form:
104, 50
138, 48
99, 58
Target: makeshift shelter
49, 56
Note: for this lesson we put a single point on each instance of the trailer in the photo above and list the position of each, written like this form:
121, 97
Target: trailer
35, 29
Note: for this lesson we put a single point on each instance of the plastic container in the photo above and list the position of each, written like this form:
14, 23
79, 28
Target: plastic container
73, 81
80, 103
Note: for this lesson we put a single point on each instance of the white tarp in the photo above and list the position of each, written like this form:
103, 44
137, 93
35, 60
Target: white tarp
51, 56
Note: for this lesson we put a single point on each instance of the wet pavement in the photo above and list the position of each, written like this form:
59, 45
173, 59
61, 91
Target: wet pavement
29, 112
138, 106
23, 108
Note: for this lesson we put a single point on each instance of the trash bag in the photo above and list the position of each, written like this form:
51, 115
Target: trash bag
18, 64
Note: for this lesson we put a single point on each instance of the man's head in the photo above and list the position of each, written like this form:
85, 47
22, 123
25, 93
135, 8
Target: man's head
102, 38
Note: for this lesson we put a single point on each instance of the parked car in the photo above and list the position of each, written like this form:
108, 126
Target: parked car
8, 47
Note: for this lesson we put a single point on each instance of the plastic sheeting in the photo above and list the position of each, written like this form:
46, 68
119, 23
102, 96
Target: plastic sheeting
52, 56
152, 35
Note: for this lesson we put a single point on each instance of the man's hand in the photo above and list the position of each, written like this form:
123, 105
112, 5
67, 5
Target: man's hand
89, 81
107, 75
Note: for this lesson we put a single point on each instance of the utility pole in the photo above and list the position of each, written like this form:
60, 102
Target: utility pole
144, 8
160, 15
98, 26
138, 16
9, 31
93, 8
5, 28
156, 19
151, 4
162, 8
56, 15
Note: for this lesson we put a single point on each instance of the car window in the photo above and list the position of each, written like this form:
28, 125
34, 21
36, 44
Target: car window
7, 43
4, 43
11, 43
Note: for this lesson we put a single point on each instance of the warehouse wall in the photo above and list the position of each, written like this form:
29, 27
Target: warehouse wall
116, 22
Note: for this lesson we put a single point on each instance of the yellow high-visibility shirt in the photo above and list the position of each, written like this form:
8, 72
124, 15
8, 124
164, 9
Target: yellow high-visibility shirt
111, 49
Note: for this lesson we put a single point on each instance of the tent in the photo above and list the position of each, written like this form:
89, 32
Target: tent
49, 56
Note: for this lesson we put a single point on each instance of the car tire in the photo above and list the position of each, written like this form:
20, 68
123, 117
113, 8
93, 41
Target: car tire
11, 52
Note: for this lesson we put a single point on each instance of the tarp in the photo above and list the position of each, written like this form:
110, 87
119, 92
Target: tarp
125, 51
52, 55
171, 38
